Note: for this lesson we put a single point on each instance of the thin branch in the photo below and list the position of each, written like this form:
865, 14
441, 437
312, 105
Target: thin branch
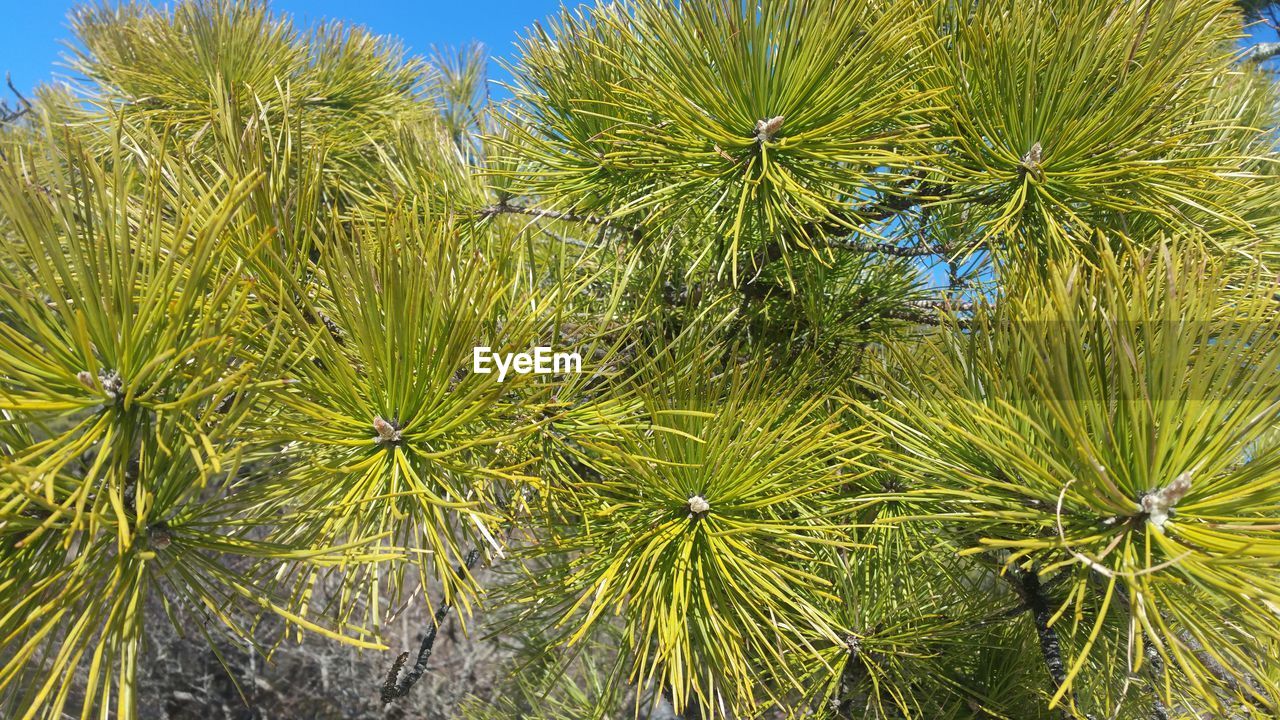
1155, 663
918, 311
1270, 18
912, 315
1262, 52
23, 103
398, 687
886, 248
8, 80
838, 235
1027, 585
504, 208
944, 304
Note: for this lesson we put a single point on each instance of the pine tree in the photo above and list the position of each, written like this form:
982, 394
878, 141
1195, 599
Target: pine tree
928, 356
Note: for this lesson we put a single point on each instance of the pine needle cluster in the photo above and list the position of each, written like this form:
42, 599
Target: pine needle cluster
929, 356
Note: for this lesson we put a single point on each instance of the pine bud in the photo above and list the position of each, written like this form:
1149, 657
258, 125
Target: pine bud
852, 644
86, 379
698, 506
1032, 158
158, 536
766, 129
1031, 163
111, 384
388, 433
1158, 504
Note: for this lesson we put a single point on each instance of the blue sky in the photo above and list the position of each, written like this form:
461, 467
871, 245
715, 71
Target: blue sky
31, 30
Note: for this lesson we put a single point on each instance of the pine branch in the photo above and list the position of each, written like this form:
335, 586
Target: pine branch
853, 674
1262, 52
397, 687
1156, 664
944, 304
918, 311
886, 248
24, 105
912, 310
505, 208
912, 315
1027, 585
836, 229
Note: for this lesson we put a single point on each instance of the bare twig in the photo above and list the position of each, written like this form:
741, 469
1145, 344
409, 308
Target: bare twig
1027, 585
1262, 52
504, 208
918, 311
886, 248
8, 80
944, 304
912, 316
396, 686
24, 105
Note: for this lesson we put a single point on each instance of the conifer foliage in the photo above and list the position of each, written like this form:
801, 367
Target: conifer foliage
929, 358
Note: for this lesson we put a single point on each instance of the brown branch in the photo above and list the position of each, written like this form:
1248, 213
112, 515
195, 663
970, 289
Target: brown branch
944, 304
912, 316
838, 231
23, 103
886, 248
917, 311
1155, 665
504, 208
1027, 586
8, 80
398, 687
